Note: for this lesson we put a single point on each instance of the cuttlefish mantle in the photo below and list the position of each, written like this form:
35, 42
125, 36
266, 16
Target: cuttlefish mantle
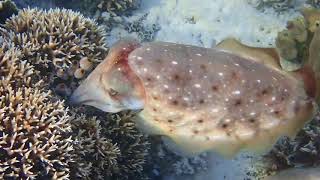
226, 99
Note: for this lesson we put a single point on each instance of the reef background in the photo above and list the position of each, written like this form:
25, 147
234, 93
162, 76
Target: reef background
104, 137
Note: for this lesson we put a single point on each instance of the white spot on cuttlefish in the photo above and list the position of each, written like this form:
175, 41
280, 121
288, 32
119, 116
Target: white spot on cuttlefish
197, 85
237, 92
174, 62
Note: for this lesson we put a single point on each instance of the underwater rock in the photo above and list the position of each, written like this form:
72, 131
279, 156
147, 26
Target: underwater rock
7, 9
61, 44
108, 147
225, 99
35, 131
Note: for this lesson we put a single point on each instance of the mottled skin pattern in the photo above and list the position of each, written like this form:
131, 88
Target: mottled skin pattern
211, 99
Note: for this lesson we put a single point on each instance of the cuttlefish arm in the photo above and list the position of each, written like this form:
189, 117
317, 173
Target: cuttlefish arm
112, 86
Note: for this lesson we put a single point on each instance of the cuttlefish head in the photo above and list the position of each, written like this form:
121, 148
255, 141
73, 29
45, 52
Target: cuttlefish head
112, 86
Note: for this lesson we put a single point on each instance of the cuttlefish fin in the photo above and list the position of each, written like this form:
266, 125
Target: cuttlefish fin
267, 56
313, 62
181, 144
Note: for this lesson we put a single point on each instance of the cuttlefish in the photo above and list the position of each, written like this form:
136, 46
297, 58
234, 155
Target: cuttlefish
228, 98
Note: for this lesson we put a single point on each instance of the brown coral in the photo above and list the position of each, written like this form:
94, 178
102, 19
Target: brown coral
56, 41
35, 133
108, 146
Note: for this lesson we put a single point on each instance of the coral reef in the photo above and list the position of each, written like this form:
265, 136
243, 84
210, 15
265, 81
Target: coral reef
164, 162
117, 6
143, 32
7, 9
35, 132
108, 146
63, 45
54, 50
314, 3
302, 151
114, 7
299, 44
277, 5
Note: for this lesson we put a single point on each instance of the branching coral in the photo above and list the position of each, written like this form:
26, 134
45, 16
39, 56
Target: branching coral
108, 147
62, 44
7, 9
35, 133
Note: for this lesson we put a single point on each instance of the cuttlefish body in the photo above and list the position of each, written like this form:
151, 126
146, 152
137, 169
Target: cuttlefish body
225, 99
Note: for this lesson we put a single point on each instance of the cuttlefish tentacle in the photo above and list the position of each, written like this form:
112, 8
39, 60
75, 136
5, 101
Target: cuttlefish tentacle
113, 86
228, 98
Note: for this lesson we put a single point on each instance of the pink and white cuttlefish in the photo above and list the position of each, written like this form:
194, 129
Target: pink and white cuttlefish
225, 99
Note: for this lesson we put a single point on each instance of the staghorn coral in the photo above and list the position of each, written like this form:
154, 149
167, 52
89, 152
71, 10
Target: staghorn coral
108, 147
90, 145
7, 9
35, 133
63, 45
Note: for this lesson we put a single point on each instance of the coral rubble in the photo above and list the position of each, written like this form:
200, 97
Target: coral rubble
108, 146
63, 45
7, 9
35, 132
